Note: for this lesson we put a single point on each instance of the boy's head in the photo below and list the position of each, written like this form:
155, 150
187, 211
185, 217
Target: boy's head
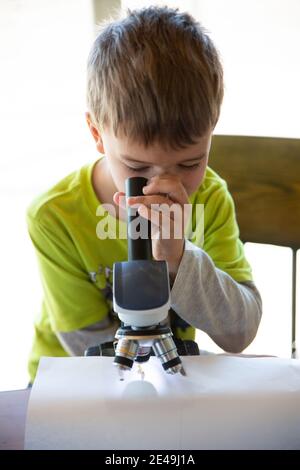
154, 80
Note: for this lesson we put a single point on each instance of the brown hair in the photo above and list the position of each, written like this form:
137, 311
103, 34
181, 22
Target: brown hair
155, 75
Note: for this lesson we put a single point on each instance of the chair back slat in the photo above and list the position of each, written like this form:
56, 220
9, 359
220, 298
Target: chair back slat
263, 176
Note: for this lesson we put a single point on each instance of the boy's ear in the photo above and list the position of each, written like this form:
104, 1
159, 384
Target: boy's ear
95, 133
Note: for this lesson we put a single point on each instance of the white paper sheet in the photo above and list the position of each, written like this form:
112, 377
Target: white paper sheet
223, 403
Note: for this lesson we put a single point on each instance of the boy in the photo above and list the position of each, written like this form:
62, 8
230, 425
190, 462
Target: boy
154, 91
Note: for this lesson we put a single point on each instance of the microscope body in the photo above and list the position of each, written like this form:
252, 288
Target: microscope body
141, 298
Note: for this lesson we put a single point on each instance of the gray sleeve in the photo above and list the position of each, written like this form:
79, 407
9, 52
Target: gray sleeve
212, 301
76, 342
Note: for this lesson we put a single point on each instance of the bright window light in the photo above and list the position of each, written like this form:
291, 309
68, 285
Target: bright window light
44, 136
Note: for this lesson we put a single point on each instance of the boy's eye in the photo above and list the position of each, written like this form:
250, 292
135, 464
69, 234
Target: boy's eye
190, 167
184, 167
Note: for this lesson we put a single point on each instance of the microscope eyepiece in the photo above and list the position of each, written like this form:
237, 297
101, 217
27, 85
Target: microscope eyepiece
138, 248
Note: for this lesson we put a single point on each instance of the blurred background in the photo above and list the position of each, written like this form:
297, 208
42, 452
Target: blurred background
44, 136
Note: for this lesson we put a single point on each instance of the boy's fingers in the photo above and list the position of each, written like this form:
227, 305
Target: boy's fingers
149, 200
169, 185
168, 226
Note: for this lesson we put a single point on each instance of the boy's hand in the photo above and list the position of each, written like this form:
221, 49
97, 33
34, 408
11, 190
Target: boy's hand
163, 204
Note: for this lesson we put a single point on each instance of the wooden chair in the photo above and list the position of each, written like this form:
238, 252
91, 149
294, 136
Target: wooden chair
263, 176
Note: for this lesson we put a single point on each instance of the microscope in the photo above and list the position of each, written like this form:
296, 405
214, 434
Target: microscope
141, 297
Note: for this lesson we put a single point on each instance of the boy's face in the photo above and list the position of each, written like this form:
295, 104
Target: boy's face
125, 158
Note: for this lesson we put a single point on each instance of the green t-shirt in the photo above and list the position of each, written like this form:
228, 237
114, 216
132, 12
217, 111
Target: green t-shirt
76, 265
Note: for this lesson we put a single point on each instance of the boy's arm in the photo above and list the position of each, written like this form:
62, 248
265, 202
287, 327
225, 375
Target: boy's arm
211, 300
76, 342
